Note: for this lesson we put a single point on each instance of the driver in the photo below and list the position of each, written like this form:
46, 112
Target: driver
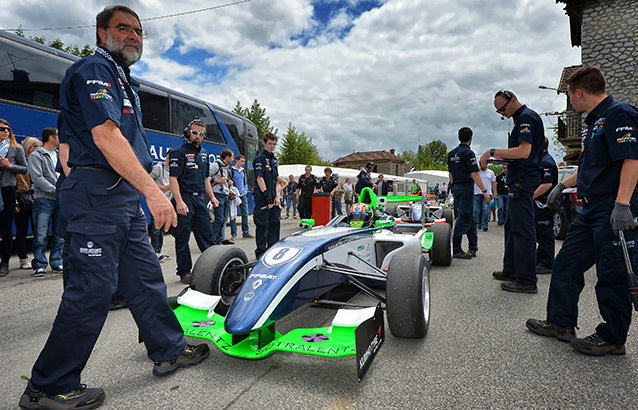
360, 215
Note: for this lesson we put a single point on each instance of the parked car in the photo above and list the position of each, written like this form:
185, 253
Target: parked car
569, 205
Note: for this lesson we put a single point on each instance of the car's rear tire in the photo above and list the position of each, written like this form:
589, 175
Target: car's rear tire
211, 274
441, 252
448, 215
408, 296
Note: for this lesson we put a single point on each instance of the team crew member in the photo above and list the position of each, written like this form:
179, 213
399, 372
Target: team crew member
544, 215
305, 188
329, 184
100, 118
363, 179
464, 173
267, 202
606, 180
525, 148
189, 167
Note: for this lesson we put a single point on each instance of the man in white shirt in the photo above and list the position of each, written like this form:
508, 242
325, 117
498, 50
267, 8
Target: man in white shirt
481, 210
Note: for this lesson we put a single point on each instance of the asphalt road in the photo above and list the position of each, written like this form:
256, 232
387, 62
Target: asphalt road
477, 354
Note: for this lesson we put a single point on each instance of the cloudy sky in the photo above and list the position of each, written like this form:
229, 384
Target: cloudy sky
354, 75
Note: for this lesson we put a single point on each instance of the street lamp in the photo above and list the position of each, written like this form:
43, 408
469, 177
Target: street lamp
544, 87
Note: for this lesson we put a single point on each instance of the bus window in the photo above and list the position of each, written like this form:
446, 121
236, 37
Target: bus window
235, 127
154, 109
183, 112
31, 77
251, 151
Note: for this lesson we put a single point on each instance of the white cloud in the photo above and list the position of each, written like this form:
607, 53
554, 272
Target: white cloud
407, 68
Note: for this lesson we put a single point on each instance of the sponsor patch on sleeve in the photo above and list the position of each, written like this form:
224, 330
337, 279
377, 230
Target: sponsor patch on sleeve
101, 94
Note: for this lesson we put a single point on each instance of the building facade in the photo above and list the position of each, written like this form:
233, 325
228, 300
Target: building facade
606, 32
385, 162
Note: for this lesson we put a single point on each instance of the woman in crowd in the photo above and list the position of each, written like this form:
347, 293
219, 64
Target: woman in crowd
24, 210
12, 162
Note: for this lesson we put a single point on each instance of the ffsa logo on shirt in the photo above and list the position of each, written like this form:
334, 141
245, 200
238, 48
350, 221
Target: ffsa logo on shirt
90, 250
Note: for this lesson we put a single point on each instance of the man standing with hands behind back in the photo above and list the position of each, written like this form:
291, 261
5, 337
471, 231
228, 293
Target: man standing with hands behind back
464, 173
525, 148
100, 120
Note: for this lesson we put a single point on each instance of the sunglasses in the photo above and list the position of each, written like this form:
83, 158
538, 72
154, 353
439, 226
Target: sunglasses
5, 129
198, 133
500, 110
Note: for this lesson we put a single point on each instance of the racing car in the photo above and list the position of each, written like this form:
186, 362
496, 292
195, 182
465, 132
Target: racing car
236, 304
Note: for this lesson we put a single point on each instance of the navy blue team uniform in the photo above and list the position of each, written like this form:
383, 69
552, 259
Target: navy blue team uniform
544, 215
267, 220
461, 163
108, 240
610, 137
307, 185
523, 177
190, 165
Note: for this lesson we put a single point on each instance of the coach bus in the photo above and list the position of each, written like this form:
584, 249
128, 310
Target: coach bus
30, 77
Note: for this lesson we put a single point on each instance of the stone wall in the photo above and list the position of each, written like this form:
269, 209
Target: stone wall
610, 42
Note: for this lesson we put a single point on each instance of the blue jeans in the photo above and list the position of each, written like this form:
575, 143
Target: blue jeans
290, 202
463, 196
221, 215
338, 210
503, 207
243, 207
481, 211
46, 211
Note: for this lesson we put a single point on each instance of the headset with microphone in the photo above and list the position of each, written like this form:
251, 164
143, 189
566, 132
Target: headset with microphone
187, 130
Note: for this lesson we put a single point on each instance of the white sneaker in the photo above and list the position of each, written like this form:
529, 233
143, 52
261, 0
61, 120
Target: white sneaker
25, 263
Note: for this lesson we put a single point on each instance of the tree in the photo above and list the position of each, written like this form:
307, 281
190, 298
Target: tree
433, 155
410, 157
59, 44
296, 148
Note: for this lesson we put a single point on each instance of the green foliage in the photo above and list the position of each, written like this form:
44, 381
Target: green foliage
432, 155
59, 44
296, 148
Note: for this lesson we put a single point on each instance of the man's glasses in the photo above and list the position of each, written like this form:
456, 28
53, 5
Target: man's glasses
198, 133
502, 109
126, 30
5, 129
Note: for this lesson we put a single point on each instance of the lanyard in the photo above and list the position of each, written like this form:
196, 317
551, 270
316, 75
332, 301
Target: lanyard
120, 71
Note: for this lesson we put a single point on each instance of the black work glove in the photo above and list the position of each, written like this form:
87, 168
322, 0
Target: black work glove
267, 197
554, 194
621, 218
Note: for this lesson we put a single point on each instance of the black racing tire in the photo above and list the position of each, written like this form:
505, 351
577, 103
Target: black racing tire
211, 275
441, 252
448, 215
408, 296
560, 225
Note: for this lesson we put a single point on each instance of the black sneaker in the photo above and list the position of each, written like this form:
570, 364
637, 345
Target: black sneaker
545, 328
461, 255
472, 252
227, 242
186, 278
500, 275
4, 269
80, 398
595, 345
189, 357
542, 270
519, 288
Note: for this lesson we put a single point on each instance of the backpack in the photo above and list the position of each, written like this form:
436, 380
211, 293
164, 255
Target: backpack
349, 197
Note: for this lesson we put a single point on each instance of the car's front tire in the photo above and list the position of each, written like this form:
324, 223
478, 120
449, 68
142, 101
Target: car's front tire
213, 274
408, 296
